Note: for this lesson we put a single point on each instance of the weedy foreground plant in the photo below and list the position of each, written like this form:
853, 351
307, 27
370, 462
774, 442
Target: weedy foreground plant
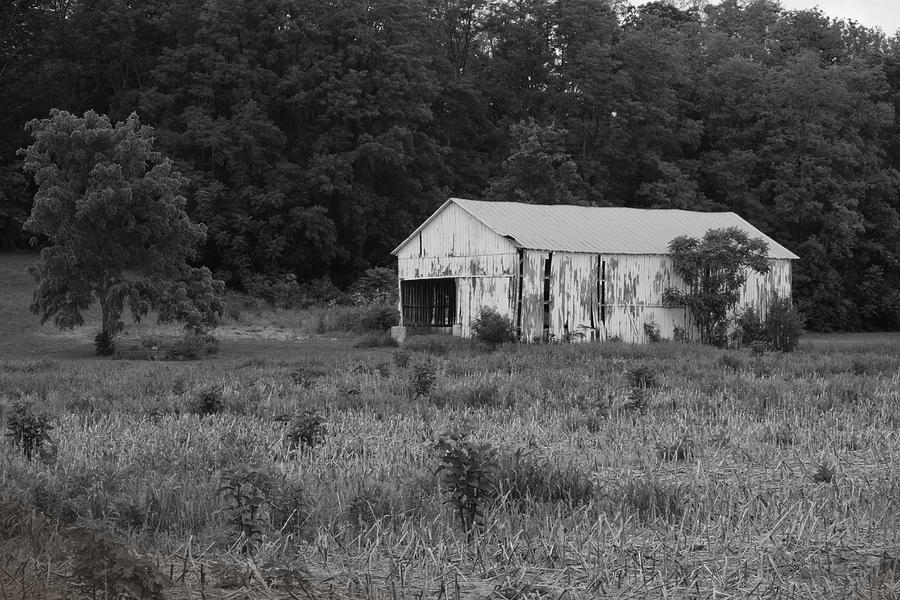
580, 471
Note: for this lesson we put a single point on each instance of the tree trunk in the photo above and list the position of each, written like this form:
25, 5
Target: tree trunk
104, 340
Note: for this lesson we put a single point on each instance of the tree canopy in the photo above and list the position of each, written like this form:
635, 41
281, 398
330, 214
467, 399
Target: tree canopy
117, 232
713, 269
317, 134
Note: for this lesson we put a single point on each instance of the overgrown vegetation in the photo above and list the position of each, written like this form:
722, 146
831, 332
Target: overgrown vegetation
468, 472
493, 469
246, 491
714, 268
110, 568
306, 430
29, 431
492, 328
780, 331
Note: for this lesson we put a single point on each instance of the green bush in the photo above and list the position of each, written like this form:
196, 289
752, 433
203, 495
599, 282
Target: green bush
422, 378
750, 327
28, 430
306, 430
106, 563
779, 331
247, 491
493, 328
468, 473
378, 317
207, 402
192, 346
375, 286
287, 292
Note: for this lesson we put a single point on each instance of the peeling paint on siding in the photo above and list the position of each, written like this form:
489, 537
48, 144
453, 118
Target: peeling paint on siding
486, 268
574, 292
533, 294
757, 290
458, 266
475, 292
456, 233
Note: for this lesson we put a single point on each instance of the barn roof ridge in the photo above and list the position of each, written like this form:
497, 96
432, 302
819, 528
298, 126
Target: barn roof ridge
598, 229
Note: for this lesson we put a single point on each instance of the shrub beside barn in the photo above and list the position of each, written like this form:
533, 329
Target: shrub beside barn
561, 271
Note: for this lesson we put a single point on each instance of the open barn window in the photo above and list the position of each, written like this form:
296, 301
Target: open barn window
428, 302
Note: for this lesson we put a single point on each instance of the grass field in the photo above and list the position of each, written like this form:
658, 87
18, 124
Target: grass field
294, 466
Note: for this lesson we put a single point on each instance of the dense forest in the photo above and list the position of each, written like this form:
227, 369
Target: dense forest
316, 134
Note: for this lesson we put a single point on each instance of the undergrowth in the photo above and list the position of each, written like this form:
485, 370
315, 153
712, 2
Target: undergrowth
581, 467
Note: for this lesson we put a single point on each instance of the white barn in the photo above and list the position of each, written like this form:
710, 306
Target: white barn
565, 271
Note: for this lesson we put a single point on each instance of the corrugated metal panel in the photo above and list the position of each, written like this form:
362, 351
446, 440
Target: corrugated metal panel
597, 230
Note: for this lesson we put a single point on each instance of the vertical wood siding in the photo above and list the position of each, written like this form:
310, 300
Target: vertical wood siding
757, 290
475, 292
486, 268
484, 264
456, 244
633, 295
533, 294
635, 284
574, 295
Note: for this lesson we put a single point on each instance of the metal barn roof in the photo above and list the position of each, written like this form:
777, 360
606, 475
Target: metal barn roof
599, 230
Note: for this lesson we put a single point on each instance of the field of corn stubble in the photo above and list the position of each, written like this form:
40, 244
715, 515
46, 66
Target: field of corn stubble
450, 471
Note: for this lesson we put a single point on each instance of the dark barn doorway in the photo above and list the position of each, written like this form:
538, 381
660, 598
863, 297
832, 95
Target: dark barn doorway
428, 302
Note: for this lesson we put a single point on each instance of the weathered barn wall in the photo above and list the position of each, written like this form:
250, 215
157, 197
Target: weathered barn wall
574, 309
758, 289
533, 294
475, 292
486, 267
634, 287
454, 244
633, 295
635, 284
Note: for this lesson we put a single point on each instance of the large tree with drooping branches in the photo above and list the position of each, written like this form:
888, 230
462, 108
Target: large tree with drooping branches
111, 210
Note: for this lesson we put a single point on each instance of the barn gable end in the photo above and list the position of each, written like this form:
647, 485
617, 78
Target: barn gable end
454, 253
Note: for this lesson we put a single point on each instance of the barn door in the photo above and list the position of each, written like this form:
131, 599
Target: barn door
428, 302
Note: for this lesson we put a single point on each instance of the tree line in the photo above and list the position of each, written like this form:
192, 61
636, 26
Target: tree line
316, 134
